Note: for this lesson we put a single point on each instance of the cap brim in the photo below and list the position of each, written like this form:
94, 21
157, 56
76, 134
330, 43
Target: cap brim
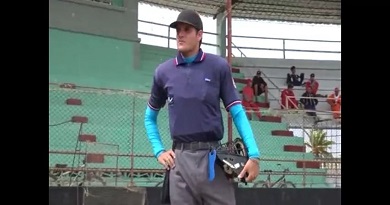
174, 24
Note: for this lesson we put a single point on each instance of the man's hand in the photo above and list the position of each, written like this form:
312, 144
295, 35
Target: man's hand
167, 159
252, 169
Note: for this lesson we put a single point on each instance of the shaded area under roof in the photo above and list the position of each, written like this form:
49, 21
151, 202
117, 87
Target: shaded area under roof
295, 11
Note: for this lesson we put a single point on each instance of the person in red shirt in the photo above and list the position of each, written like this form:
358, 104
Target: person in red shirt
313, 84
248, 100
287, 97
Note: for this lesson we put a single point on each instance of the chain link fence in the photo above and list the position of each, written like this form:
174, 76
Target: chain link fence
97, 137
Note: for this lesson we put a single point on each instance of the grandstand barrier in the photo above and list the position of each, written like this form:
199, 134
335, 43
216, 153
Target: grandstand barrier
320, 111
151, 196
99, 139
97, 196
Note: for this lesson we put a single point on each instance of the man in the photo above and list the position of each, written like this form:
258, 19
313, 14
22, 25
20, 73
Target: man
192, 84
293, 78
288, 100
313, 84
248, 102
259, 86
334, 100
309, 102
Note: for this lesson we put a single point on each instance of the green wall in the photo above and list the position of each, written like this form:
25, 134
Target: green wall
89, 60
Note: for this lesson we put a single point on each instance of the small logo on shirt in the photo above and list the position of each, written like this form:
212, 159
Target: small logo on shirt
170, 100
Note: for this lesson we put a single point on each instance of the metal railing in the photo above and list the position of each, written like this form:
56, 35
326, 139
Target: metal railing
282, 49
284, 41
168, 35
291, 99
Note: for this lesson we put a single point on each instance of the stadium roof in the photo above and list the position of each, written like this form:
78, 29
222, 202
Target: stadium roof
297, 11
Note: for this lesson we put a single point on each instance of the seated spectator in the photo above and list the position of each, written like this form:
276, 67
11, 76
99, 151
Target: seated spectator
313, 84
294, 79
334, 100
309, 102
259, 86
248, 100
287, 97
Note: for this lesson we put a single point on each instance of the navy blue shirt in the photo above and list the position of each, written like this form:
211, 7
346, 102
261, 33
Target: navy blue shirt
192, 92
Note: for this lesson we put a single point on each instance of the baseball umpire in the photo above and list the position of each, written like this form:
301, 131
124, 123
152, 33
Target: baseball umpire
192, 84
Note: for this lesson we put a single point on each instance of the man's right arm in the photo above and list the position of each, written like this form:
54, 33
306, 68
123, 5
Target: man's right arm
156, 101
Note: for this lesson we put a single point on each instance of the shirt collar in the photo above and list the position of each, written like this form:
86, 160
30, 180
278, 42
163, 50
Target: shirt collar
179, 60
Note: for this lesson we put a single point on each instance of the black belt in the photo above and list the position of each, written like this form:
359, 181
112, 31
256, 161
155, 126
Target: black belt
195, 145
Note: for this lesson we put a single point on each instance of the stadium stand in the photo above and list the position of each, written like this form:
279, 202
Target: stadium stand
95, 122
112, 119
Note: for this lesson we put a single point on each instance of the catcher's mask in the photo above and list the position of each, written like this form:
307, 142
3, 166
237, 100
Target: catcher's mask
232, 158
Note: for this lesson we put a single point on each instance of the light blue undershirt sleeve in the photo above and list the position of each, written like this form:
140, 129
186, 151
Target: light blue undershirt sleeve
152, 131
244, 129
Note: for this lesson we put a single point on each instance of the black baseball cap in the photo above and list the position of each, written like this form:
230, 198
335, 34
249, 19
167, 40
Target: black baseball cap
189, 17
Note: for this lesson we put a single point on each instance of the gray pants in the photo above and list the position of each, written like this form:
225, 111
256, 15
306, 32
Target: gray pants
189, 184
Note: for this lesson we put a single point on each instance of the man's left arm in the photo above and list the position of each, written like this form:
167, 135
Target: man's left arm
232, 103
